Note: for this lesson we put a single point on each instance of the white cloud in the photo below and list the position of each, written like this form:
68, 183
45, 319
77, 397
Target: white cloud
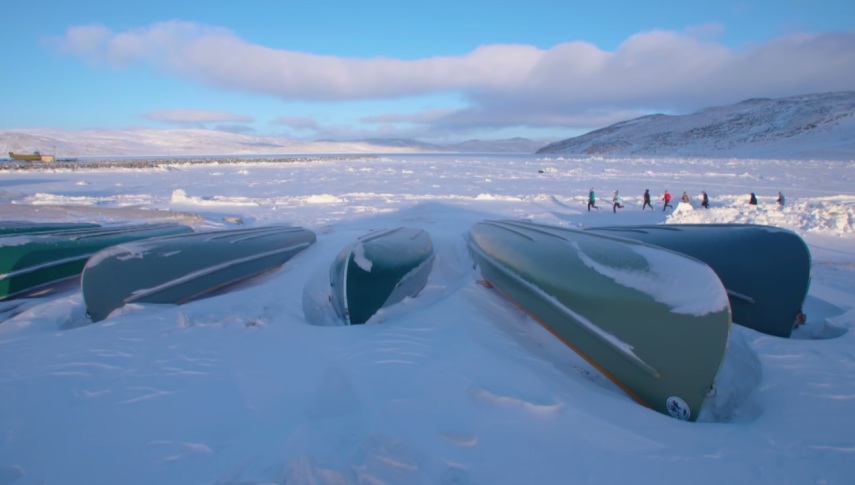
571, 84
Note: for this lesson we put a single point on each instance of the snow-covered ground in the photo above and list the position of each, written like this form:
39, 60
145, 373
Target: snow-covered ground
456, 385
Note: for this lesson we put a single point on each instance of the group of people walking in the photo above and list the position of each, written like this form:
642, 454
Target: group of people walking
617, 201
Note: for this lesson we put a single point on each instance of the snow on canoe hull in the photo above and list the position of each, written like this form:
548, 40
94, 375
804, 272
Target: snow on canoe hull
380, 269
32, 264
765, 269
175, 270
607, 298
30, 227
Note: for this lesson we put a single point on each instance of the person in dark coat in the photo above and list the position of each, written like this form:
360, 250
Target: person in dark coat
646, 200
705, 200
753, 199
781, 199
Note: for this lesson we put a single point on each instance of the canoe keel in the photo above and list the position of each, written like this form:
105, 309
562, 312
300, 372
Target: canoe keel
180, 269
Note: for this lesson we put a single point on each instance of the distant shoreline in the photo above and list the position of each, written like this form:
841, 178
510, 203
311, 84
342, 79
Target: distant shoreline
143, 163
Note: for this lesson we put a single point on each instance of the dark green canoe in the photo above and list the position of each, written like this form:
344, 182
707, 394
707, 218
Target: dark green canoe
31, 227
179, 269
380, 269
765, 269
625, 306
32, 264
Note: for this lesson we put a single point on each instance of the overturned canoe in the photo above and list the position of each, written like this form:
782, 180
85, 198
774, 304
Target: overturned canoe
380, 269
32, 264
625, 306
765, 269
182, 268
31, 227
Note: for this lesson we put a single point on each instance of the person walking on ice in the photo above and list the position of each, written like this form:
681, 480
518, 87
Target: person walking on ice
592, 200
705, 200
781, 199
667, 199
616, 202
646, 200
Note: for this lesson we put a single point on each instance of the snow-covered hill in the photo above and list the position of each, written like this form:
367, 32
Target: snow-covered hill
160, 142
808, 126
509, 145
197, 142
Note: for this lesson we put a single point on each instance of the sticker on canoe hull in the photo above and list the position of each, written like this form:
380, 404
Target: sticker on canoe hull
678, 408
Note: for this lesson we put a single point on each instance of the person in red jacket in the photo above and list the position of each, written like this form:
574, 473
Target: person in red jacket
667, 199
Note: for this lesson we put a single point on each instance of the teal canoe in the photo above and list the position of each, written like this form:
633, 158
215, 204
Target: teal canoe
30, 227
653, 321
33, 264
765, 269
380, 269
175, 270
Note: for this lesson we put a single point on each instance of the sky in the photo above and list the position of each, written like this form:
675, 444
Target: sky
440, 71
264, 384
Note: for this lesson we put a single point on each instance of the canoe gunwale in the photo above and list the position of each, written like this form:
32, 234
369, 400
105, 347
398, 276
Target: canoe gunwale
47, 265
34, 291
345, 303
740, 296
108, 231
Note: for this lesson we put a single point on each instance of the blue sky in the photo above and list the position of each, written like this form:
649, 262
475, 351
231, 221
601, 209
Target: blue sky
435, 71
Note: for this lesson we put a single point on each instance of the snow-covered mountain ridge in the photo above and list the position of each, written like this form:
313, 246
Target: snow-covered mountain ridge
807, 126
199, 142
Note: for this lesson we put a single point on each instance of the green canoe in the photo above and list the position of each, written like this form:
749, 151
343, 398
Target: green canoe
32, 264
380, 269
30, 227
179, 269
654, 321
765, 269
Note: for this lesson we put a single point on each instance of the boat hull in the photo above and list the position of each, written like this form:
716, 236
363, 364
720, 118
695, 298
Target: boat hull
29, 157
175, 270
32, 264
609, 300
765, 269
380, 269
30, 227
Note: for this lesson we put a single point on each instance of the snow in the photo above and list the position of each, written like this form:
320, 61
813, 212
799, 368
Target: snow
360, 259
684, 284
456, 385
